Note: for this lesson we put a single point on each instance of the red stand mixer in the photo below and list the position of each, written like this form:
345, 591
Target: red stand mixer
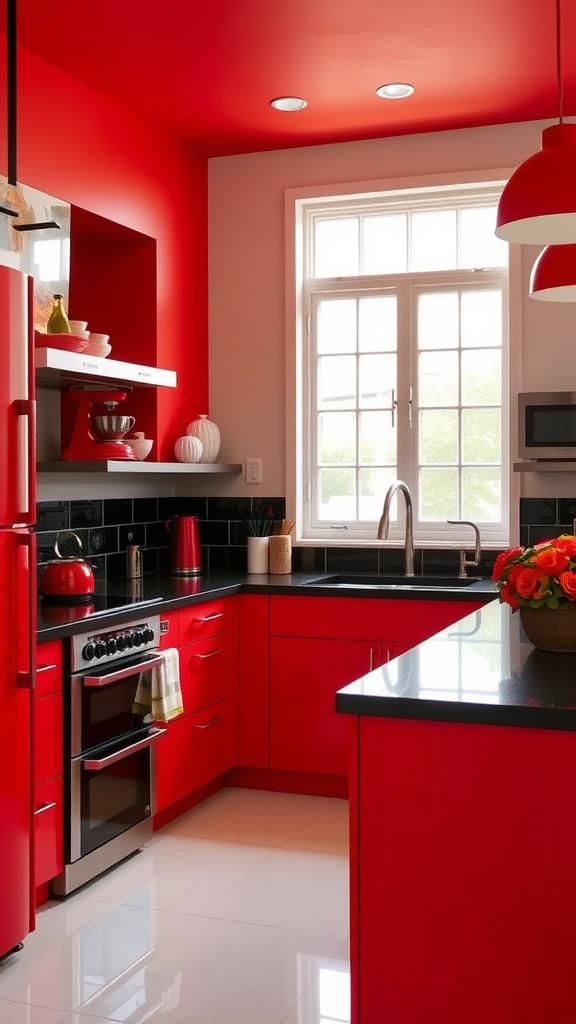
98, 435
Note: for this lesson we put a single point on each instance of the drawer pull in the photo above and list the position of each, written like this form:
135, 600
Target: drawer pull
207, 725
210, 654
45, 668
207, 618
44, 807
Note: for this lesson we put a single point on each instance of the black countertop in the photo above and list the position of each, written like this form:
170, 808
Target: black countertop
120, 601
481, 670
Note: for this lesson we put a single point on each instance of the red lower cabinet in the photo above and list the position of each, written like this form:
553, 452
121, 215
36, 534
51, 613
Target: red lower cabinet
168, 770
207, 744
48, 830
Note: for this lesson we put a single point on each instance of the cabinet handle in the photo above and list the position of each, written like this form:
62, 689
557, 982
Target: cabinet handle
210, 654
207, 618
44, 807
207, 725
45, 668
371, 661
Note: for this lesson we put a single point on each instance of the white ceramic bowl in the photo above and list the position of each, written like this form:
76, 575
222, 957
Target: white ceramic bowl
99, 339
78, 327
142, 446
95, 349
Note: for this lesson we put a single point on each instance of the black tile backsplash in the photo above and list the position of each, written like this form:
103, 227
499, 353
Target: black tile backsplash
107, 526
543, 518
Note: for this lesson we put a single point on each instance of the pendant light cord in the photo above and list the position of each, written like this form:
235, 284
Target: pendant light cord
11, 56
559, 59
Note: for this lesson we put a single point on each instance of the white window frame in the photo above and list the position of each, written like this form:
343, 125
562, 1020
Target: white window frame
297, 205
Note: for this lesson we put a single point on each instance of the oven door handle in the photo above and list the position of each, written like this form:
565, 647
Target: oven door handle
122, 673
96, 765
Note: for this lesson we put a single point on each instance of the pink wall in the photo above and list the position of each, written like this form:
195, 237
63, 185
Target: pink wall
80, 147
247, 261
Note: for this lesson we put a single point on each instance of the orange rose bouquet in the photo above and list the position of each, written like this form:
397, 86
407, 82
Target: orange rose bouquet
543, 576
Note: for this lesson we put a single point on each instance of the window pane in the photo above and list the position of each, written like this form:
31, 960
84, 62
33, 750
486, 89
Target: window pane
433, 240
438, 436
438, 320
438, 378
479, 246
482, 494
377, 377
377, 439
482, 377
337, 494
439, 494
481, 319
336, 382
373, 486
481, 441
337, 438
336, 325
377, 328
385, 244
337, 247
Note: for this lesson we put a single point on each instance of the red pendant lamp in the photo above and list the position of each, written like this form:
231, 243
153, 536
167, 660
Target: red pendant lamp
538, 205
553, 277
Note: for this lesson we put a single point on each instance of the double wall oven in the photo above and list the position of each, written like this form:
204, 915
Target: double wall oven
109, 749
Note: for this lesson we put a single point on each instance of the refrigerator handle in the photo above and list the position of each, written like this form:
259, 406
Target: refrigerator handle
25, 441
26, 677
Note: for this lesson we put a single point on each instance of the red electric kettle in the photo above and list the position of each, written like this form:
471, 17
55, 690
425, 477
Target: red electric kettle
186, 558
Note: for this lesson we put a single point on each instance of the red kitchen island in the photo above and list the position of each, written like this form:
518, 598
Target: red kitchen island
463, 831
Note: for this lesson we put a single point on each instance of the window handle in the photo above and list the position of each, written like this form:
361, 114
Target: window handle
410, 400
393, 405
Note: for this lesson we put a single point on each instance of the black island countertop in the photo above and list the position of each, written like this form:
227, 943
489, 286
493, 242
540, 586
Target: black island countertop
480, 670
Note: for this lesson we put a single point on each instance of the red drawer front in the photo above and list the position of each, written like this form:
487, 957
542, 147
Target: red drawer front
48, 737
205, 672
48, 830
207, 744
168, 774
204, 620
48, 667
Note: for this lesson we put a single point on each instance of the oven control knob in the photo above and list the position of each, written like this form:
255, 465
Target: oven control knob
129, 640
100, 649
149, 634
111, 646
121, 643
138, 638
88, 652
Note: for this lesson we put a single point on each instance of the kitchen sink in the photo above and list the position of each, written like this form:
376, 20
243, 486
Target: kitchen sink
392, 582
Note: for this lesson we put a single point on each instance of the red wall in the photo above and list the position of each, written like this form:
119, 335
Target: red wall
80, 147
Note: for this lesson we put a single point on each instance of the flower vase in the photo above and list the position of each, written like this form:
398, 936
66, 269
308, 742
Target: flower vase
550, 629
208, 433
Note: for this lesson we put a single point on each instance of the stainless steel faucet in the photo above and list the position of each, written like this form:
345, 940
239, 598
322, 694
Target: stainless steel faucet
464, 562
384, 523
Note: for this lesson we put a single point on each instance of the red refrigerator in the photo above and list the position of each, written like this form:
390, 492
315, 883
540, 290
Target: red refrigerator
17, 603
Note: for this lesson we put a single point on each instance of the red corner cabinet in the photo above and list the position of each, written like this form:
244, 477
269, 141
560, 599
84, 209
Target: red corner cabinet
202, 743
48, 747
317, 646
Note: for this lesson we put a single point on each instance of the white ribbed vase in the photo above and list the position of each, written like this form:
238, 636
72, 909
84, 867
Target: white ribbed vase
207, 432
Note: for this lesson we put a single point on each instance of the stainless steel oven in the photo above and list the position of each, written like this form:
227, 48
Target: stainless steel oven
109, 750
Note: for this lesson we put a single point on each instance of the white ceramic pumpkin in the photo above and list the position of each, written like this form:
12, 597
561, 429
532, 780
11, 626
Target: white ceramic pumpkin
207, 432
188, 449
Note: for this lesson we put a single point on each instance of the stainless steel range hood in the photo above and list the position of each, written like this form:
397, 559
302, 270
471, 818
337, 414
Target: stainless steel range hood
58, 369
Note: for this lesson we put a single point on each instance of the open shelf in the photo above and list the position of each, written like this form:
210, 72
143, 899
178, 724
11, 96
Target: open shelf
129, 466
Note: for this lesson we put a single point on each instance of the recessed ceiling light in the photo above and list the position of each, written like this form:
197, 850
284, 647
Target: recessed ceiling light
395, 91
288, 103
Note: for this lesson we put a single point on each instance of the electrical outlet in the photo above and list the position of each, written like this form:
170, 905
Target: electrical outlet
253, 471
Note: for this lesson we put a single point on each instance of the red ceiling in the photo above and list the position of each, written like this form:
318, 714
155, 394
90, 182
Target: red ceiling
207, 69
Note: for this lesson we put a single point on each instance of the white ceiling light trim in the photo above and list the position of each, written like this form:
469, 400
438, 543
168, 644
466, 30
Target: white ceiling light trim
395, 91
288, 103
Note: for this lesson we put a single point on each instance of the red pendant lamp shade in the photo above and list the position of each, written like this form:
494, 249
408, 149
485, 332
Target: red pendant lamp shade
538, 205
553, 277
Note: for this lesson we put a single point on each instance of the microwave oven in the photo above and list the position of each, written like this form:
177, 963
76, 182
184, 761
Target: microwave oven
547, 426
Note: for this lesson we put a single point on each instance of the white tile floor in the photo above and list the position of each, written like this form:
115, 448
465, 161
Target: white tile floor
235, 913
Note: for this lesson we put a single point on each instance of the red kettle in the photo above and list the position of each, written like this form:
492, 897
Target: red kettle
68, 580
186, 557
